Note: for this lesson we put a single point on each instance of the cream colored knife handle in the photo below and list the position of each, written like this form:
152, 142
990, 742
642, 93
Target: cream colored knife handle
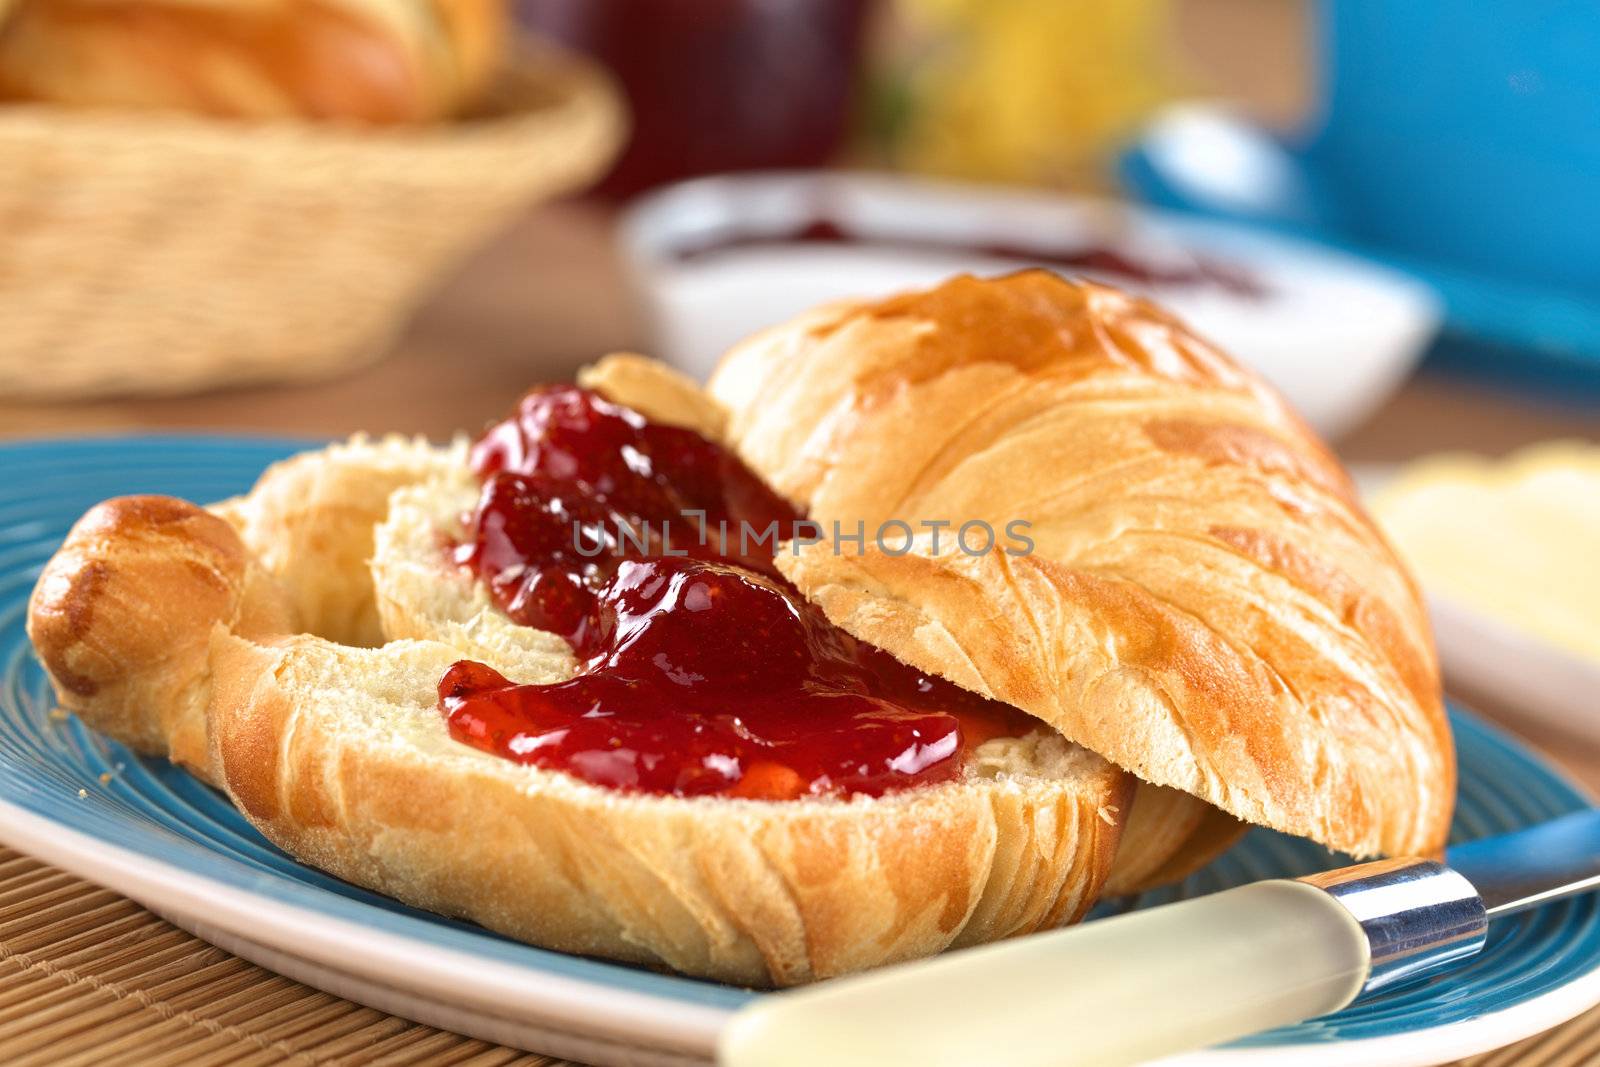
1115, 991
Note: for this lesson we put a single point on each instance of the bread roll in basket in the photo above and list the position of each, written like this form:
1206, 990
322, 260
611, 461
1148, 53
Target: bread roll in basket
1208, 629
223, 192
372, 61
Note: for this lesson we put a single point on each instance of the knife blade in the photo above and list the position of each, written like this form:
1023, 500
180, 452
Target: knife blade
1150, 983
1521, 870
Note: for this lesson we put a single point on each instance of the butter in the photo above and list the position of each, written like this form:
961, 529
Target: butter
1516, 539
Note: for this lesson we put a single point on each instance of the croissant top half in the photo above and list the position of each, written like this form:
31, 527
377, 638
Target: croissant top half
1205, 603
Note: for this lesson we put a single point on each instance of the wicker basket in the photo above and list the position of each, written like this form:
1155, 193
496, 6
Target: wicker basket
145, 253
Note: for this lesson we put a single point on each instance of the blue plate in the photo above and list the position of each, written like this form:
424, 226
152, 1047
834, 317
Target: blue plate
150, 830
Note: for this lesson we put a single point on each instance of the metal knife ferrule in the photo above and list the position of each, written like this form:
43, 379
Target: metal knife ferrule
1418, 915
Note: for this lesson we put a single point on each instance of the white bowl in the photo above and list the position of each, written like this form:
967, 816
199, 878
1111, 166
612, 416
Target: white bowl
717, 259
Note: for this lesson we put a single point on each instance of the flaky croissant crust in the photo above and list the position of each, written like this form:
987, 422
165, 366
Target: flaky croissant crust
1206, 605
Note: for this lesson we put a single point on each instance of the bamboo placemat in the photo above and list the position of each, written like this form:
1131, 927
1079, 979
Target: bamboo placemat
88, 977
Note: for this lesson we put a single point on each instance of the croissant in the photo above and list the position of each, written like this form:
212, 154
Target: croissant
1205, 604
369, 61
230, 640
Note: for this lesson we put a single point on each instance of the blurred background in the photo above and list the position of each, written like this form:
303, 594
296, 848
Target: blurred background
316, 217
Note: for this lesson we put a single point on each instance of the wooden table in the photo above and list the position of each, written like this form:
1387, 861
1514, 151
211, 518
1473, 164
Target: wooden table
86, 976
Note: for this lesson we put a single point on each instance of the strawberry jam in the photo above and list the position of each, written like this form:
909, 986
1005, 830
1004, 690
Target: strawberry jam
704, 671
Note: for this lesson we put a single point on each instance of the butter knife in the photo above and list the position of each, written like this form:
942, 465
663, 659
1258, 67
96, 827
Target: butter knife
1164, 980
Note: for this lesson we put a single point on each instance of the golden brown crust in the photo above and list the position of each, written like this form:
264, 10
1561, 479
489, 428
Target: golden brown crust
1205, 603
121, 618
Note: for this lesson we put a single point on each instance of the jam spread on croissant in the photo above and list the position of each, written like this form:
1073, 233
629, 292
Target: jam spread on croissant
704, 671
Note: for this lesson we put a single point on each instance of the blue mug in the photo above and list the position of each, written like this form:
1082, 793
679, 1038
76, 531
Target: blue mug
1466, 133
